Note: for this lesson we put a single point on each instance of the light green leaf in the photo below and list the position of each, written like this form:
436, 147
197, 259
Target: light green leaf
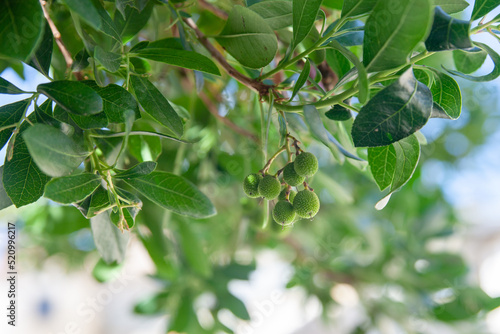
451, 6
109, 60
448, 33
22, 25
304, 15
394, 113
495, 73
392, 32
73, 96
248, 38
182, 58
87, 11
469, 61
446, 95
72, 188
156, 105
54, 153
108, 239
353, 8
301, 81
483, 7
8, 88
173, 193
10, 114
5, 201
193, 250
141, 169
278, 14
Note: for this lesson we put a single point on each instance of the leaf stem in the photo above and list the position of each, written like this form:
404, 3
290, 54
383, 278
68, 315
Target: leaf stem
485, 25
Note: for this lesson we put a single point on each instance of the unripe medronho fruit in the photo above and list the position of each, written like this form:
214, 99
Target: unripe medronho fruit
291, 196
306, 164
251, 185
283, 213
290, 176
306, 204
269, 187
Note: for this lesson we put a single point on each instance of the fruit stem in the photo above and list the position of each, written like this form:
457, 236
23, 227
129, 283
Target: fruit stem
270, 161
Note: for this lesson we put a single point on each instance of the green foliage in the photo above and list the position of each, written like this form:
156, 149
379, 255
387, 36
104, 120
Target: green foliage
448, 33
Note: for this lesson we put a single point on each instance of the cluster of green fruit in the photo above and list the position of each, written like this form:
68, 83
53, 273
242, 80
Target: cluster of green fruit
291, 205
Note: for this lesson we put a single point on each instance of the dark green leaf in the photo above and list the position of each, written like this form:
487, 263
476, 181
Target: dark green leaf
304, 15
72, 96
483, 7
301, 81
182, 58
282, 128
278, 14
393, 165
5, 201
233, 304
446, 94
97, 201
195, 255
173, 193
109, 240
10, 114
72, 188
81, 61
109, 60
8, 88
469, 61
394, 113
22, 25
22, 179
248, 38
495, 73
108, 26
144, 168
97, 121
448, 33
156, 105
43, 56
87, 11
351, 34
339, 113
451, 6
392, 32
132, 20
357, 7
338, 62
182, 318
54, 153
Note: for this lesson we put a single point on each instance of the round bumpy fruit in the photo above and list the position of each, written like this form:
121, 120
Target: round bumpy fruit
251, 185
269, 187
306, 164
283, 213
290, 176
306, 204
291, 196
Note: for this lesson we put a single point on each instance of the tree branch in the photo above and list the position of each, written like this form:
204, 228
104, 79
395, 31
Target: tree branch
212, 109
258, 86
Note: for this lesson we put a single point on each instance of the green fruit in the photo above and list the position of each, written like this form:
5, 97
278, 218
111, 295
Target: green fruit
306, 164
269, 187
306, 204
283, 213
291, 196
251, 185
290, 176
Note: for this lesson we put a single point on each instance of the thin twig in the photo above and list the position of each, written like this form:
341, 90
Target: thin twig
217, 11
260, 87
212, 109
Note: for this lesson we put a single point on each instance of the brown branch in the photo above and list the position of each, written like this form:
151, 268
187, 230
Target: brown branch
217, 11
258, 86
213, 110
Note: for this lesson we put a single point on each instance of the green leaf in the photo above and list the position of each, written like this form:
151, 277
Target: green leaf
339, 113
54, 153
22, 25
108, 27
182, 58
277, 14
5, 201
235, 305
448, 33
338, 62
104, 272
141, 169
301, 81
451, 6
156, 105
304, 14
109, 60
248, 38
394, 113
391, 33
393, 165
73, 96
22, 179
43, 56
495, 73
469, 61
483, 7
97, 121
87, 11
183, 316
446, 95
108, 239
97, 201
7, 88
357, 7
173, 193
10, 114
132, 20
72, 188
193, 251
